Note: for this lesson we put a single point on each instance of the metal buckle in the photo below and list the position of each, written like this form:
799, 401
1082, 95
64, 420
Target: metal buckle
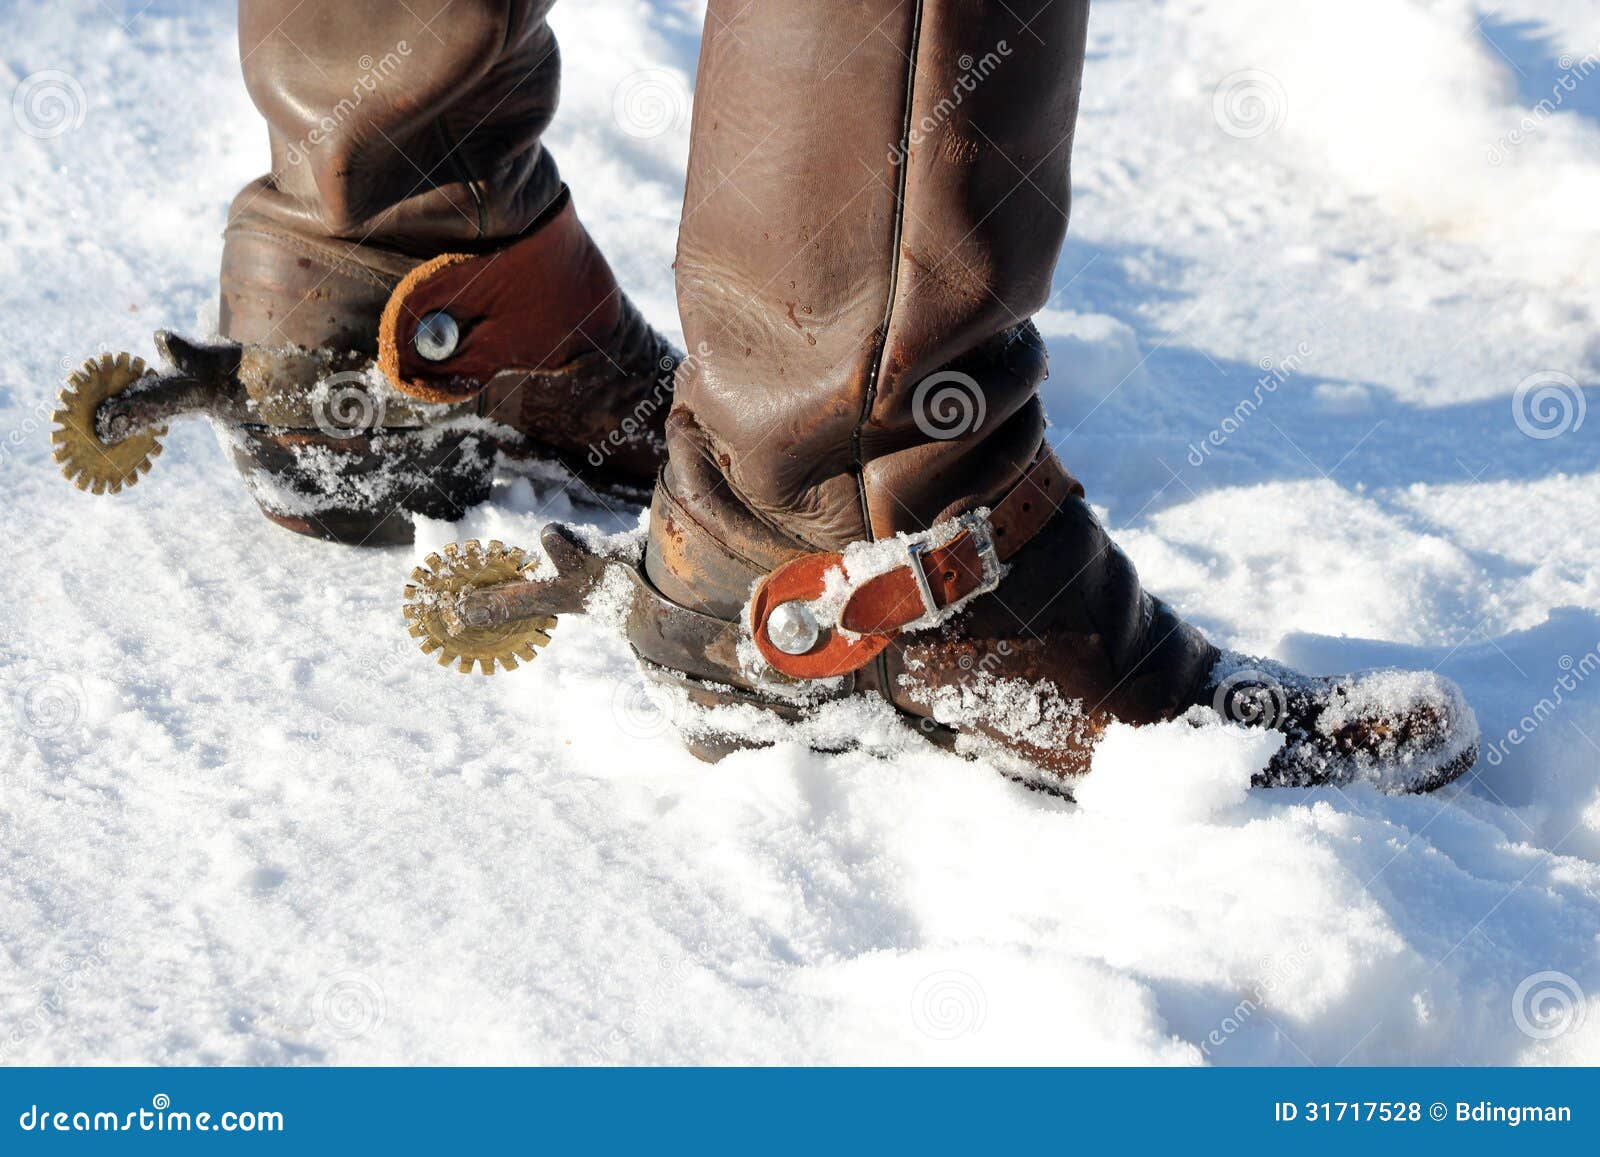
977, 526
930, 609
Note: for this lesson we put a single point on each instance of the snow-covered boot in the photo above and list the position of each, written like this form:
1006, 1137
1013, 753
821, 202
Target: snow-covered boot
1398, 730
409, 291
861, 497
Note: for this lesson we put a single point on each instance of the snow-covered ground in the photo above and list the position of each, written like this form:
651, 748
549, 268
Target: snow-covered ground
242, 821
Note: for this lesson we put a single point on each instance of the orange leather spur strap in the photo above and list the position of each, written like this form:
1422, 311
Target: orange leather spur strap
536, 304
943, 566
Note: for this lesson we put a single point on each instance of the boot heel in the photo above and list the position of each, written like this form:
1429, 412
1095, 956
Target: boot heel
361, 490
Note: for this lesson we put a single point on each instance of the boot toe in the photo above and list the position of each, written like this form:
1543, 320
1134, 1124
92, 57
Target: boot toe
1400, 731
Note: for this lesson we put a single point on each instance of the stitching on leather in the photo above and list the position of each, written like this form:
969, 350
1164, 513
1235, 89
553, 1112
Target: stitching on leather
882, 339
459, 167
389, 330
880, 662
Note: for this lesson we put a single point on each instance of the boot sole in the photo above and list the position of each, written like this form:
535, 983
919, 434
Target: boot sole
1447, 773
713, 745
294, 474
362, 490
696, 655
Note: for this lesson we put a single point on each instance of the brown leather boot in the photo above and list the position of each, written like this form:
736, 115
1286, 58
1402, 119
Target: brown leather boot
861, 496
414, 240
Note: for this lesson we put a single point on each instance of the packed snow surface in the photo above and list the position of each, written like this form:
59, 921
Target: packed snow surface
1324, 343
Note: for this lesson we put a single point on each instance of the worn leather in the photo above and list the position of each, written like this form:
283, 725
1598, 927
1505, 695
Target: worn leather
877, 194
952, 572
1068, 643
556, 265
602, 411
827, 279
407, 173
835, 652
398, 131
879, 606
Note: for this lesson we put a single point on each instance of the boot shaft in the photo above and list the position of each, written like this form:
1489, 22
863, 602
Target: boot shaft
397, 132
877, 195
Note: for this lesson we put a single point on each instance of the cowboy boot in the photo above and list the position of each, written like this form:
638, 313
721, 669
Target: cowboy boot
409, 291
861, 496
